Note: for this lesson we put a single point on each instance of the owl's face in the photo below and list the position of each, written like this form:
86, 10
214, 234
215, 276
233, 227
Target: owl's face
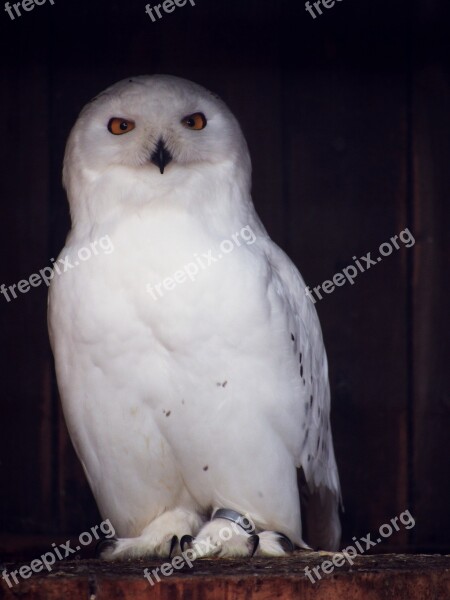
154, 124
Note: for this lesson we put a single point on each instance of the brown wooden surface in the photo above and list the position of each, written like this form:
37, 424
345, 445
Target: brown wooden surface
383, 577
347, 120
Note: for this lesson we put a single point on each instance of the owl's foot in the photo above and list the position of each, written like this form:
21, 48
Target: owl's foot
235, 536
273, 543
221, 538
160, 538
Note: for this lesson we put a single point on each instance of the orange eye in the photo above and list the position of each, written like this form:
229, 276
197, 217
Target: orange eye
196, 121
119, 126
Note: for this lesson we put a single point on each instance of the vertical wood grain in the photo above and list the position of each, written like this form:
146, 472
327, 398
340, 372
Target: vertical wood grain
431, 293
347, 175
26, 443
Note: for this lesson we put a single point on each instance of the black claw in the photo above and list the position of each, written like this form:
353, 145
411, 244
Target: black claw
102, 545
186, 540
285, 542
173, 543
254, 539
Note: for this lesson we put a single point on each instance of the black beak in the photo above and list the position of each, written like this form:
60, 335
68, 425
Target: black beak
161, 157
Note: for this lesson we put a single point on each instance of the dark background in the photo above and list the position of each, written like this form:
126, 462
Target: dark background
347, 119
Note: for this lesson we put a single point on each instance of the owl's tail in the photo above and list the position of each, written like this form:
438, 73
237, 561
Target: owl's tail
320, 515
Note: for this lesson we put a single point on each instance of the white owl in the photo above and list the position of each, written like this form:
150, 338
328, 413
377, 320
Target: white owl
213, 393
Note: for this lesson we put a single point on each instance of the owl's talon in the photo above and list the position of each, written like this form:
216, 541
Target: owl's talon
186, 541
173, 544
285, 542
253, 541
104, 545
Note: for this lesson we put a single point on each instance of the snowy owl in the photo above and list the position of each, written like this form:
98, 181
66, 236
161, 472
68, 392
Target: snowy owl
190, 361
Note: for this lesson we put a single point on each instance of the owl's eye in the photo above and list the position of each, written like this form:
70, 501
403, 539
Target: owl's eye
196, 121
119, 126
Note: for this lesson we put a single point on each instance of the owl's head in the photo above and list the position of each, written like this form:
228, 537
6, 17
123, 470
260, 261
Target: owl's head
157, 127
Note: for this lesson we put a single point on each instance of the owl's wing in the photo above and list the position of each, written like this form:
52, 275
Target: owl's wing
315, 454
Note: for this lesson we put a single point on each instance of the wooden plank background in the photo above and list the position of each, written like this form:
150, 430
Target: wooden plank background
347, 120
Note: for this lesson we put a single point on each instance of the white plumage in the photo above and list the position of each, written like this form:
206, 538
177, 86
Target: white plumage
215, 394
